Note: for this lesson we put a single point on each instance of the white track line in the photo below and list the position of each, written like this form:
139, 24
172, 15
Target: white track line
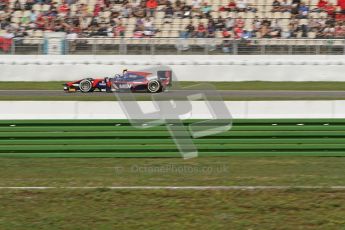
178, 187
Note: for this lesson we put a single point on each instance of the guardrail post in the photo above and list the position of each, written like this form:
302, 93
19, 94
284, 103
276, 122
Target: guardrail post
207, 46
290, 49
263, 49
152, 47
317, 50
235, 48
13, 46
123, 46
40, 49
94, 49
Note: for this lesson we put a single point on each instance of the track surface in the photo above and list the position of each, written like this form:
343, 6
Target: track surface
285, 94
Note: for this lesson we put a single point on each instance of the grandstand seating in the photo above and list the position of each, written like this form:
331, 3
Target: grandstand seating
263, 10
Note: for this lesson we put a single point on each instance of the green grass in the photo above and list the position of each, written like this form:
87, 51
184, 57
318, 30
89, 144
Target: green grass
177, 209
249, 85
245, 171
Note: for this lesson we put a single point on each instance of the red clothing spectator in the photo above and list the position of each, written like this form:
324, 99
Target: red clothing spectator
40, 22
63, 8
201, 28
201, 31
330, 9
240, 22
341, 3
5, 44
151, 4
238, 32
232, 5
119, 30
225, 33
321, 4
96, 10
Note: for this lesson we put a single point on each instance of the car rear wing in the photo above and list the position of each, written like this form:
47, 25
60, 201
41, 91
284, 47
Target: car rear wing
165, 76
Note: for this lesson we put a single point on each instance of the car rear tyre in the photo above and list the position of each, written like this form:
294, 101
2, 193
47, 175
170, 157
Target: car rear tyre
154, 86
85, 86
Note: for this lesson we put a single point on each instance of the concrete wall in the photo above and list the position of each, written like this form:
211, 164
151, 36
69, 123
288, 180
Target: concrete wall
187, 68
112, 110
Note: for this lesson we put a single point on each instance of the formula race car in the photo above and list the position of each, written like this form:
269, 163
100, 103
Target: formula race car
128, 81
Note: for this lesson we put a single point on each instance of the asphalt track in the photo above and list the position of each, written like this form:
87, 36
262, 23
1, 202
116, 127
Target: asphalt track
248, 94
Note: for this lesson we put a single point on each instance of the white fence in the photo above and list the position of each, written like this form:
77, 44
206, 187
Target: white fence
186, 68
112, 110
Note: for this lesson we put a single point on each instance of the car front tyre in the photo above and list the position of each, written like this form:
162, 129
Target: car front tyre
154, 86
85, 86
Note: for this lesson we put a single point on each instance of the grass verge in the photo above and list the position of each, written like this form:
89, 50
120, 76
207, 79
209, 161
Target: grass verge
177, 209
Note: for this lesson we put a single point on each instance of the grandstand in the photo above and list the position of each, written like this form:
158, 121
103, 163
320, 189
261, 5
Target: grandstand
194, 18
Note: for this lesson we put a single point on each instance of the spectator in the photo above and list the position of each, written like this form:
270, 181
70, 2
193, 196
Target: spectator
96, 10
149, 29
151, 6
63, 9
330, 9
139, 11
211, 30
220, 23
232, 6
17, 5
303, 10
226, 33
226, 44
321, 5
256, 24
275, 29
239, 22
341, 4
177, 8
189, 31
119, 30
206, 10
28, 4
295, 6
3, 5
196, 5
276, 7
126, 10
169, 13
247, 34
339, 32
329, 32
139, 25
186, 11
229, 23
285, 6
33, 16
241, 5
201, 31
238, 31
266, 22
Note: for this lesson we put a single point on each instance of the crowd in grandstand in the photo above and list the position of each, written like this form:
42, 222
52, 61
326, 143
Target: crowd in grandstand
238, 19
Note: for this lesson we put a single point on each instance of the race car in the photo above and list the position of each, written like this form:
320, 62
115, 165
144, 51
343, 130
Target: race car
129, 81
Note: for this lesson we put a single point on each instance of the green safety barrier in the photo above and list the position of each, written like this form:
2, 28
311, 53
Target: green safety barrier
118, 138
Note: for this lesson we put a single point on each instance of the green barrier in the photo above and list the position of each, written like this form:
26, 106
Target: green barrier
117, 138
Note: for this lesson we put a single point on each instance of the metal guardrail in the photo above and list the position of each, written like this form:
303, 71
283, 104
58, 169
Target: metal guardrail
198, 46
